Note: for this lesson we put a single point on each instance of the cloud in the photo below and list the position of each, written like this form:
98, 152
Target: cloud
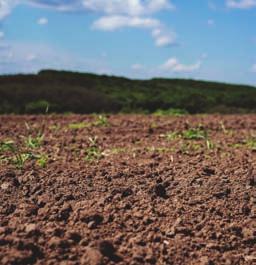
127, 7
164, 37
111, 23
112, 7
6, 7
161, 36
253, 68
42, 21
1, 34
116, 14
241, 4
173, 65
137, 67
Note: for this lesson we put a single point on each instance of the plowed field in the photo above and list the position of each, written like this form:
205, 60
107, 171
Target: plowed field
128, 189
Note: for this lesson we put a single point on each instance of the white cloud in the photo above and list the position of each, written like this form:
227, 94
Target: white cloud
162, 37
137, 67
253, 68
6, 7
111, 23
173, 65
127, 7
112, 7
116, 14
42, 21
1, 34
241, 4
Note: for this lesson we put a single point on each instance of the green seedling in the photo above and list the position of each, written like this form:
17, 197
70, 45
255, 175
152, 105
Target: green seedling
93, 153
101, 120
251, 143
171, 136
7, 146
186, 148
42, 160
20, 159
34, 142
209, 144
80, 125
195, 134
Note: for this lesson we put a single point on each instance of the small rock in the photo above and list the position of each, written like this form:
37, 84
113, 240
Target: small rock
30, 228
91, 257
5, 186
92, 219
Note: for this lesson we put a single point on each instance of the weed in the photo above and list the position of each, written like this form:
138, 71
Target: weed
34, 142
42, 160
79, 125
172, 136
93, 153
10, 152
101, 120
195, 134
186, 148
251, 143
209, 144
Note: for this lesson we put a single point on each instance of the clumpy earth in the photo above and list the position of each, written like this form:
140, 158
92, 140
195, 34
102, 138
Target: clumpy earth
128, 189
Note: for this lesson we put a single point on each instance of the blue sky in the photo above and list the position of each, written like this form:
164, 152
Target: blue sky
201, 39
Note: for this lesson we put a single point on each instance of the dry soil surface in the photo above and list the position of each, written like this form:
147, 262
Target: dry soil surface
127, 189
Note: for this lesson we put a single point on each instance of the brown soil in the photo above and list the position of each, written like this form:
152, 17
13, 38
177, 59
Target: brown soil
128, 192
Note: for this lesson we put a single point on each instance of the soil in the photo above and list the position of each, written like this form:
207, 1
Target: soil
128, 189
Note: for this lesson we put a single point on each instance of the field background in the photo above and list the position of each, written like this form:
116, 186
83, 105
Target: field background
61, 92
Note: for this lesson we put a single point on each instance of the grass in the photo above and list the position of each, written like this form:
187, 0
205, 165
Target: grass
34, 142
172, 136
101, 120
18, 155
251, 143
79, 125
194, 134
93, 152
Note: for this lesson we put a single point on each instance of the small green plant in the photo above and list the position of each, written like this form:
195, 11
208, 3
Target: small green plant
42, 160
209, 144
188, 147
101, 120
171, 136
251, 143
20, 159
79, 125
12, 153
93, 153
195, 134
7, 145
34, 142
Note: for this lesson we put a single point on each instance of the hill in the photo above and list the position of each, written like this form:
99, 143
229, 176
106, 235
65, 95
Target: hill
62, 91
